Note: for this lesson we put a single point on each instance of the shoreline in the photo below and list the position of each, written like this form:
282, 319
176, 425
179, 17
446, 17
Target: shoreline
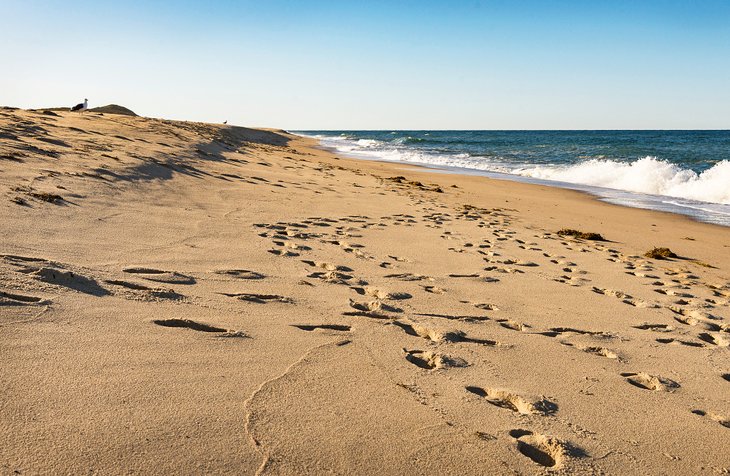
184, 297
435, 171
701, 211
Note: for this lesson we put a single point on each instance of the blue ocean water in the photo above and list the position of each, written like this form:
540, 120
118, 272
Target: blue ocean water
685, 172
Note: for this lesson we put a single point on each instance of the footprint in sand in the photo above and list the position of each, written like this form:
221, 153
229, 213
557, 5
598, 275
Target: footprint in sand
327, 266
169, 277
329, 327
655, 327
380, 294
595, 350
376, 306
546, 451
611, 292
454, 317
695, 319
13, 299
434, 289
145, 292
21, 260
571, 280
432, 361
332, 277
69, 279
285, 252
260, 298
504, 270
673, 292
523, 405
641, 304
556, 331
513, 325
472, 275
714, 339
408, 277
198, 326
240, 273
650, 382
714, 417
440, 336
679, 341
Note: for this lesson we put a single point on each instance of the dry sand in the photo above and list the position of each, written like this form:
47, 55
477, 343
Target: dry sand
185, 298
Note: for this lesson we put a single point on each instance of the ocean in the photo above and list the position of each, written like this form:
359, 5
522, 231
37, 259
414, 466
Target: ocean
686, 172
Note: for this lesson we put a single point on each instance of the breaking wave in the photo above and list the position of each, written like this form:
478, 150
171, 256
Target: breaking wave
648, 175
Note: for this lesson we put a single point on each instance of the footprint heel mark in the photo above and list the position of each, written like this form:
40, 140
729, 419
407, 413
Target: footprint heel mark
433, 361
547, 451
517, 403
646, 381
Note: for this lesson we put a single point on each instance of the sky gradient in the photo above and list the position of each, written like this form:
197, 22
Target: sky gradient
379, 64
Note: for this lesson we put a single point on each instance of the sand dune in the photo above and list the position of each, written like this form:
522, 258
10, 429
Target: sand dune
187, 298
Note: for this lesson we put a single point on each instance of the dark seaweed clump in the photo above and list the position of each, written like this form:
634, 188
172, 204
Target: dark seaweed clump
660, 253
581, 234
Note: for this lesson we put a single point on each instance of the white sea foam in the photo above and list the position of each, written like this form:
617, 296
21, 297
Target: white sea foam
647, 175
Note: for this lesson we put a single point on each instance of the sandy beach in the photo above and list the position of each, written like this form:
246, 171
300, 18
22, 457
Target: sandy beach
187, 298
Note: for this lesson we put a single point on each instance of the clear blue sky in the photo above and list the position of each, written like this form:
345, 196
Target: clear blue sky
586, 64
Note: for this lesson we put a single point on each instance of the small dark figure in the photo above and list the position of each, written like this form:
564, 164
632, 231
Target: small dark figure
225, 122
81, 107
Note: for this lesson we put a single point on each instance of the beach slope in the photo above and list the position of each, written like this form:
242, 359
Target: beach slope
179, 297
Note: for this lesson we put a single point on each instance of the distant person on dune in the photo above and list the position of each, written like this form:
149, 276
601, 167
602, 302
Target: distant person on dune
82, 106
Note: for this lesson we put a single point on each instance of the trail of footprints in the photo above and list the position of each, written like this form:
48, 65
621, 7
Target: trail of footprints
380, 304
51, 277
306, 237
676, 285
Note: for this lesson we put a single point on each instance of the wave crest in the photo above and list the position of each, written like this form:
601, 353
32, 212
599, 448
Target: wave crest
648, 175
